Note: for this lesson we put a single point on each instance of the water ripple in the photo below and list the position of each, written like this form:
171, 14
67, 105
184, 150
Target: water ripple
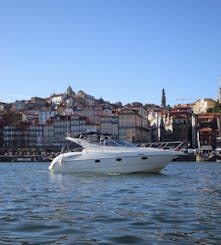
182, 205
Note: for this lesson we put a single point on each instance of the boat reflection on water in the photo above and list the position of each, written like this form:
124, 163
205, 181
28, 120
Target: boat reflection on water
100, 154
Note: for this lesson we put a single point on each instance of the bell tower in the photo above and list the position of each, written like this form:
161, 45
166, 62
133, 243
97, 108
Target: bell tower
163, 99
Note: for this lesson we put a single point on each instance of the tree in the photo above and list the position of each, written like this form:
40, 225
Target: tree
216, 108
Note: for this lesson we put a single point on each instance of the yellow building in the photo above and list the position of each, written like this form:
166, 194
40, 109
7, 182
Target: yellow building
132, 126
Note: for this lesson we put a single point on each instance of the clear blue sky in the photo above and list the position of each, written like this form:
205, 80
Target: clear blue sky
120, 50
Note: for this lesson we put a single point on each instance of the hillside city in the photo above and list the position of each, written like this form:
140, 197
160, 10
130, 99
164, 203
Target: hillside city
44, 123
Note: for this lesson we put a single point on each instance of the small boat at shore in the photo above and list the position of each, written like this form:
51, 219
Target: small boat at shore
218, 154
111, 156
205, 154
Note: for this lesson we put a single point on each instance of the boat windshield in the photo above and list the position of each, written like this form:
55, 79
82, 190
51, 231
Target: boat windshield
106, 140
118, 143
125, 143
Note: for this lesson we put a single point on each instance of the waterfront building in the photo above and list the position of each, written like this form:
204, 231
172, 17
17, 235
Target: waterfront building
206, 137
15, 136
61, 127
207, 129
71, 125
35, 135
161, 124
182, 123
172, 124
41, 135
48, 134
166, 126
77, 125
109, 125
154, 119
131, 126
92, 112
46, 122
8, 123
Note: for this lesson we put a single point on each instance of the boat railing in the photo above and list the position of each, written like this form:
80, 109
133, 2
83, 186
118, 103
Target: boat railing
168, 145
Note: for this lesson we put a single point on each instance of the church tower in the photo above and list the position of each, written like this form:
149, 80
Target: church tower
163, 99
70, 92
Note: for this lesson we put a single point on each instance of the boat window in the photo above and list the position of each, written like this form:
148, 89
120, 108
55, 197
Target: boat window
97, 160
118, 159
124, 143
144, 158
71, 146
111, 143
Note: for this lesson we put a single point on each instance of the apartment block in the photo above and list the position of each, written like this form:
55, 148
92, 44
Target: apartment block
109, 125
131, 126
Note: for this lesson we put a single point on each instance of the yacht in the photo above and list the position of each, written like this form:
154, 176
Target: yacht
108, 156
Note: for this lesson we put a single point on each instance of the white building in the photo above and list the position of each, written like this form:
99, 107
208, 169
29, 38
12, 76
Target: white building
56, 99
45, 115
202, 105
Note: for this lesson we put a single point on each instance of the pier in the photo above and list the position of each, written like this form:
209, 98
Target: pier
36, 154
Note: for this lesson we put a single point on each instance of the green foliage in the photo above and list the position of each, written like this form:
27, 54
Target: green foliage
216, 108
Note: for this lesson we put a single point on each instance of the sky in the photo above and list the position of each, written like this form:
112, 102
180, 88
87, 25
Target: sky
118, 50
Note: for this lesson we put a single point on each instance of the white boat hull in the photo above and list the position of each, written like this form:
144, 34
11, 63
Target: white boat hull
109, 162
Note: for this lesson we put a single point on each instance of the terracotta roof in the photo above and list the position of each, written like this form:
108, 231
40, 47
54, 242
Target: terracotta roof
180, 116
205, 99
56, 95
205, 129
206, 117
209, 114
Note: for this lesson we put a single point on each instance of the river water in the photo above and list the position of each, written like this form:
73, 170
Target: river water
182, 205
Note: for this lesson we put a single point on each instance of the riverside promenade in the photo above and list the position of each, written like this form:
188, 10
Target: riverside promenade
34, 154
